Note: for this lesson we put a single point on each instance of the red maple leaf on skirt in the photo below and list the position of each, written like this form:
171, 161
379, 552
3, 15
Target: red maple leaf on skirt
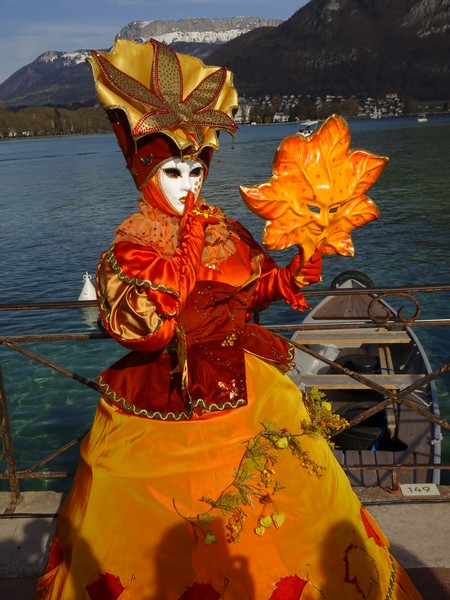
370, 529
289, 588
107, 587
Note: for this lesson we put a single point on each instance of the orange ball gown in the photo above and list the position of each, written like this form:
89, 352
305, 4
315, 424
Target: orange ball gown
177, 416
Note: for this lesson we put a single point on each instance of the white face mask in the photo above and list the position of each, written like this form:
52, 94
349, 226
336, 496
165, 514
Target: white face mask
177, 177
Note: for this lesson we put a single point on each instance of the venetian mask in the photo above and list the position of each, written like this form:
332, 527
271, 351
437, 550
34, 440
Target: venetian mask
176, 178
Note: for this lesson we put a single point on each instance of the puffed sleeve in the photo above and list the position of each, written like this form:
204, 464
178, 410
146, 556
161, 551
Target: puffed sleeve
141, 292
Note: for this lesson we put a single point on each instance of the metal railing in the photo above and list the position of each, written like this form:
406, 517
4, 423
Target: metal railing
13, 474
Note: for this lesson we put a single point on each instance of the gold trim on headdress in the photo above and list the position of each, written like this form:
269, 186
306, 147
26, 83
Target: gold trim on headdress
162, 91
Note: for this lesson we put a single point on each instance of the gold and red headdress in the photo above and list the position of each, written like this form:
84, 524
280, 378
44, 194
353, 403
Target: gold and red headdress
162, 104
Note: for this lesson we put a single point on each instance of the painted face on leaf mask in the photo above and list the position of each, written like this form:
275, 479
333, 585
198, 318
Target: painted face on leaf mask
177, 177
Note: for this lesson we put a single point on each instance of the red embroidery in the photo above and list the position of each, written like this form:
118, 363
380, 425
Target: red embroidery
289, 588
107, 587
200, 591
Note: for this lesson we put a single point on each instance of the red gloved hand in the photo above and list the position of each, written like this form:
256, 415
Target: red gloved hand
305, 273
311, 270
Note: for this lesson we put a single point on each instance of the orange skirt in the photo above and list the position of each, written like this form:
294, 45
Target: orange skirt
124, 531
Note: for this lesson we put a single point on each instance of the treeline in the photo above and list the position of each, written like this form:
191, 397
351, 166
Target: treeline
46, 120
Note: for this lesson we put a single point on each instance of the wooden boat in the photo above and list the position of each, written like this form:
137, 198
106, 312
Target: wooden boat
384, 352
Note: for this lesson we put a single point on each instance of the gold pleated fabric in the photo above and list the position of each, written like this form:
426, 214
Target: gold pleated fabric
119, 535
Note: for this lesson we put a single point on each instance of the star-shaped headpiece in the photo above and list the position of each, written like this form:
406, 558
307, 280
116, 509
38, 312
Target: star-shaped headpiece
161, 91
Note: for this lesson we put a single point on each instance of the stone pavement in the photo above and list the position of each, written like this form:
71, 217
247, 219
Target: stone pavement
419, 532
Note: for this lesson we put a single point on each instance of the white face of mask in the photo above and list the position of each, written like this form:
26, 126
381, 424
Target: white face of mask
177, 177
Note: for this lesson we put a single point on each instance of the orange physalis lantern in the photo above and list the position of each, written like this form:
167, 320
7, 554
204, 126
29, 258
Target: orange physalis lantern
315, 196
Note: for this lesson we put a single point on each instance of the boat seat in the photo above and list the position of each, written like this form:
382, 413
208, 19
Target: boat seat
345, 382
351, 307
340, 337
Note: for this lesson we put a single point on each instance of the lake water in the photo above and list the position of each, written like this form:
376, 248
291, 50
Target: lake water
62, 198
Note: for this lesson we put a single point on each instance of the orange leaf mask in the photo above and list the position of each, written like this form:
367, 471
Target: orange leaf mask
315, 196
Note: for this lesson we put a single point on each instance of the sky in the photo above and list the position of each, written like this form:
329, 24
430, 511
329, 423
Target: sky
32, 27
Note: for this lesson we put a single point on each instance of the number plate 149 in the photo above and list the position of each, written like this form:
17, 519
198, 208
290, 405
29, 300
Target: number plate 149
419, 489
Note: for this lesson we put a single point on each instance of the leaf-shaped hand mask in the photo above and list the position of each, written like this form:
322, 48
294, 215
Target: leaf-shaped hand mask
315, 196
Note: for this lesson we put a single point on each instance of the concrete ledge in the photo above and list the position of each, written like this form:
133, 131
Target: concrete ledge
25, 534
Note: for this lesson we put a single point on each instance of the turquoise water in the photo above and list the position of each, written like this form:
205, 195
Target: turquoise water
61, 199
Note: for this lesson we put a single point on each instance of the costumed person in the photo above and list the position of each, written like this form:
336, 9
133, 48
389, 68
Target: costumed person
202, 476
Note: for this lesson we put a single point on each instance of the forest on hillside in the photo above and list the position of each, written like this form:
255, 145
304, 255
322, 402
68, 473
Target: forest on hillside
50, 121
46, 120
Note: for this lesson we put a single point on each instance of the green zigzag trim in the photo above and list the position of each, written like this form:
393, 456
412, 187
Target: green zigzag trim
134, 280
169, 416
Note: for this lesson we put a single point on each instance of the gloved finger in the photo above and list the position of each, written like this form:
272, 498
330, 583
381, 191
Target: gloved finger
189, 202
312, 278
310, 271
316, 257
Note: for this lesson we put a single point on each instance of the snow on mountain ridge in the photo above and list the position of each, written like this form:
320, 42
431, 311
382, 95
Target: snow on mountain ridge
66, 58
206, 37
194, 30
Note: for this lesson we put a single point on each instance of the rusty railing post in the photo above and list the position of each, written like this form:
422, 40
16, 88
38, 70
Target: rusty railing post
7, 448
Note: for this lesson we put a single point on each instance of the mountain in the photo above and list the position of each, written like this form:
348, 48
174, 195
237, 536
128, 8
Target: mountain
64, 78
54, 78
346, 47
338, 47
194, 36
